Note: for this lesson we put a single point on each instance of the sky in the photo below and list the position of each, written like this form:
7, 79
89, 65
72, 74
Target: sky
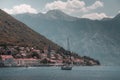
92, 9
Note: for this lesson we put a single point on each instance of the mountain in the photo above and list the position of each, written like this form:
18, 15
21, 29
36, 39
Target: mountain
14, 32
59, 15
99, 39
117, 17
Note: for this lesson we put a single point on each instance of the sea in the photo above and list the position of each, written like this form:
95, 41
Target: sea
55, 73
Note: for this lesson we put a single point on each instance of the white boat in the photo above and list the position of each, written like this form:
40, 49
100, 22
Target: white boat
66, 67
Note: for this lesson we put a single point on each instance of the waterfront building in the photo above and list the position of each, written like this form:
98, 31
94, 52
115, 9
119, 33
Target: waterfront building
52, 56
43, 55
7, 60
26, 62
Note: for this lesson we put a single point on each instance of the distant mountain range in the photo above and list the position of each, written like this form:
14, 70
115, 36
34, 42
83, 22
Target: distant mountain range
99, 39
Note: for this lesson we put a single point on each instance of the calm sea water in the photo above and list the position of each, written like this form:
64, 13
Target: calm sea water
55, 73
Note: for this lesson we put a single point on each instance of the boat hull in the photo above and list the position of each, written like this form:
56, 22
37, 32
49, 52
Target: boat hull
66, 68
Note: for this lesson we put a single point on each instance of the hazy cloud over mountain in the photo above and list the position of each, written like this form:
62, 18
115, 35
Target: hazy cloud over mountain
92, 9
118, 11
19, 9
73, 6
94, 16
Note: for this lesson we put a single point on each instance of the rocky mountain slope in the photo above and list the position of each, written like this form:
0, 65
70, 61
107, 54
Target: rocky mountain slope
13, 32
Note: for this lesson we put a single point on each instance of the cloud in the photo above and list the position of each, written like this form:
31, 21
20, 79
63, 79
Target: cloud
20, 9
96, 5
73, 6
95, 16
69, 6
118, 11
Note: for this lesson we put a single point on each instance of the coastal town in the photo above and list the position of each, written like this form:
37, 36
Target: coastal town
19, 56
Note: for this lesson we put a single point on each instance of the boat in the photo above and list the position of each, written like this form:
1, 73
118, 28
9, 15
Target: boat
67, 66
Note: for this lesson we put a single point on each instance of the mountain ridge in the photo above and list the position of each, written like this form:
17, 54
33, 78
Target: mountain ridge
95, 38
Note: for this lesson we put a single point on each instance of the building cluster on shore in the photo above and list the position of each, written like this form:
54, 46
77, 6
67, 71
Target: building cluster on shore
29, 56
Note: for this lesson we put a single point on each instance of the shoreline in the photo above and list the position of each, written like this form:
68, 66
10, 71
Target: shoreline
46, 65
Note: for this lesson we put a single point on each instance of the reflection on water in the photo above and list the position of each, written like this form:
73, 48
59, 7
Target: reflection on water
55, 73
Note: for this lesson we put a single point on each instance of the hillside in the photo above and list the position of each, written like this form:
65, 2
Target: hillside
99, 39
13, 32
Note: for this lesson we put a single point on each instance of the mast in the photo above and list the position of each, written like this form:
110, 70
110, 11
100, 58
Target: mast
68, 44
